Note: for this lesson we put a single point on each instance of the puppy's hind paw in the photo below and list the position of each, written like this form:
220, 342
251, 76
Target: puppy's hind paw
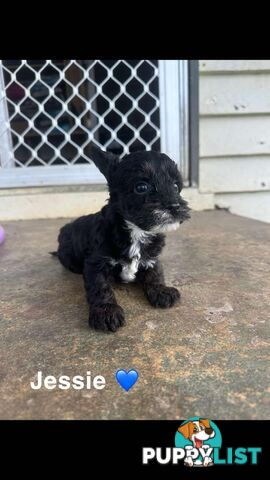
161, 296
106, 317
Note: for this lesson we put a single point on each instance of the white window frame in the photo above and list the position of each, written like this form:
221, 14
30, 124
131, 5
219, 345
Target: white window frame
174, 108
174, 112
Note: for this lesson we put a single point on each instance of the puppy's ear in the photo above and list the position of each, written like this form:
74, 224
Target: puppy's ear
185, 430
105, 161
205, 422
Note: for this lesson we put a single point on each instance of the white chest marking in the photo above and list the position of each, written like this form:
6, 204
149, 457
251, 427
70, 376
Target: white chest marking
138, 237
129, 270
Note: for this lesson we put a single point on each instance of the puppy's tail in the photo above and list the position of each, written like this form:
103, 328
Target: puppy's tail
54, 254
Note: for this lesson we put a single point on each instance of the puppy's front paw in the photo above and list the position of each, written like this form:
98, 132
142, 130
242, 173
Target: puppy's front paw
162, 296
109, 316
207, 462
188, 462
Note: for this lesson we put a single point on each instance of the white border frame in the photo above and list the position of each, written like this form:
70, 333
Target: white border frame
174, 105
6, 147
50, 176
174, 118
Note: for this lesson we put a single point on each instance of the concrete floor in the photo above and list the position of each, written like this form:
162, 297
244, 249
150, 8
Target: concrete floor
208, 356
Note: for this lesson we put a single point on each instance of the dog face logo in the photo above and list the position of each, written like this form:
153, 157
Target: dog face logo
198, 436
198, 443
197, 431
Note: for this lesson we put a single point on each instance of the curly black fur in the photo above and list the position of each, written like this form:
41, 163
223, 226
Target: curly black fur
125, 238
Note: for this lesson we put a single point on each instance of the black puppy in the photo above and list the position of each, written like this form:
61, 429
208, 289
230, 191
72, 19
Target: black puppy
123, 240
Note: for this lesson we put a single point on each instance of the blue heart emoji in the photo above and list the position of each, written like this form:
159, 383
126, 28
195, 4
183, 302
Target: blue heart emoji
126, 379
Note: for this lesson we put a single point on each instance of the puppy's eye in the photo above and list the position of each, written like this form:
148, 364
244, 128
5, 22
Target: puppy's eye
176, 187
141, 188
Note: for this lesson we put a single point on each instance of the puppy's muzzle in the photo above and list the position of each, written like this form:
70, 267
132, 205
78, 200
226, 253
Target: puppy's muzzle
173, 207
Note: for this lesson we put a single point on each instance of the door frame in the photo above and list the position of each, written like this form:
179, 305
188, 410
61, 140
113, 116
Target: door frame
179, 117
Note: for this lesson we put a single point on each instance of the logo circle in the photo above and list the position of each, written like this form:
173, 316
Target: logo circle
215, 442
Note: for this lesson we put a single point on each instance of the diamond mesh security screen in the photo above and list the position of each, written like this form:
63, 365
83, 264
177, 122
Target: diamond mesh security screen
55, 108
51, 110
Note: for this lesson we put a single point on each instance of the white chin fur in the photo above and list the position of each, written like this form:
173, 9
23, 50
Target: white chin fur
168, 227
143, 236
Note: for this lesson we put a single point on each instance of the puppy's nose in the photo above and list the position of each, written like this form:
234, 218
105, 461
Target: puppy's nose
209, 430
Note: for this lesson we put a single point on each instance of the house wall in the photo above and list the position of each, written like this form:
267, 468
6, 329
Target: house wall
70, 201
235, 135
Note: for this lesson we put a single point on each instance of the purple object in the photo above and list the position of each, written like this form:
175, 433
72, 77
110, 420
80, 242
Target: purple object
2, 235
